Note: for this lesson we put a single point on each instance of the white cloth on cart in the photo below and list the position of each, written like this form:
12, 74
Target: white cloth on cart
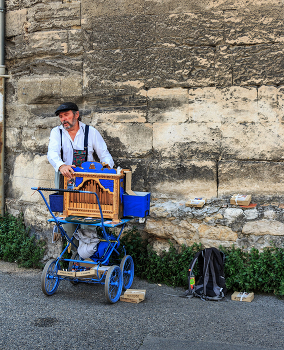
88, 242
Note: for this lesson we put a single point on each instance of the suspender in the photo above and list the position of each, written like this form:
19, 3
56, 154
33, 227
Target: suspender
61, 144
85, 142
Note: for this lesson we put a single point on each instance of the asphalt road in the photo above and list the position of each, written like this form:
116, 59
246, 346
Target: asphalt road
79, 317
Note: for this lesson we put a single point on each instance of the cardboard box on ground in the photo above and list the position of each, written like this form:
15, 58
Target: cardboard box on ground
240, 199
197, 202
133, 295
242, 296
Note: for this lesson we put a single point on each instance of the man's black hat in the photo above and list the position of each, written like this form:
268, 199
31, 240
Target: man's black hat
67, 106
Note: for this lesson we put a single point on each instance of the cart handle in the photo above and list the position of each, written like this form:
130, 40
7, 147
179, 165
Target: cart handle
61, 190
39, 189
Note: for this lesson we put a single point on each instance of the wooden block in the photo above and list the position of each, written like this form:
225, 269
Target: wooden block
93, 272
135, 293
87, 273
85, 263
131, 193
130, 300
128, 180
102, 270
66, 273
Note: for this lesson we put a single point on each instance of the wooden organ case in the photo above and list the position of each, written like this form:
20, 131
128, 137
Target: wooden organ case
108, 185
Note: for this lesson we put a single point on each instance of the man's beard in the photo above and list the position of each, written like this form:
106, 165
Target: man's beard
70, 125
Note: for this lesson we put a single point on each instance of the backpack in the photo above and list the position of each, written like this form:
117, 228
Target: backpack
211, 284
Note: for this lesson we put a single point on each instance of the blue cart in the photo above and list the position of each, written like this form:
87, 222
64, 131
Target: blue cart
115, 277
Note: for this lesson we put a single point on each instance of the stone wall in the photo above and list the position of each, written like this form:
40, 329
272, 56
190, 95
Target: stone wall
188, 94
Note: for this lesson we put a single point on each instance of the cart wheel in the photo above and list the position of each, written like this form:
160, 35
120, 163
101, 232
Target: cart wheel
49, 278
127, 269
113, 284
75, 256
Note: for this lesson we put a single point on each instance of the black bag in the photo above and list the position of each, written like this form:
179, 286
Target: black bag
211, 284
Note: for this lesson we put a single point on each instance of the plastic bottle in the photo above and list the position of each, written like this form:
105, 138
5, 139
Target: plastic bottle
192, 279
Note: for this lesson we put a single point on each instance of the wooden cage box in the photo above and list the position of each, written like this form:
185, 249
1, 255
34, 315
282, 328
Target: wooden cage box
108, 185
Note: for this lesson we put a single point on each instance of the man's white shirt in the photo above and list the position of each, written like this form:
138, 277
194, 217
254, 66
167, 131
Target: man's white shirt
95, 143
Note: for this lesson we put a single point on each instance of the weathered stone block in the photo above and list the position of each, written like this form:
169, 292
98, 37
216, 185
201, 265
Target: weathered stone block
181, 66
194, 29
16, 69
105, 68
245, 141
139, 168
129, 115
164, 67
127, 139
206, 106
43, 117
263, 227
28, 173
13, 138
253, 25
248, 177
187, 141
218, 233
56, 65
15, 21
91, 9
107, 88
160, 246
48, 89
182, 180
232, 214
258, 64
16, 115
269, 214
167, 105
130, 31
31, 171
76, 41
269, 106
35, 215
35, 139
159, 212
208, 243
182, 232
54, 16
12, 5
223, 105
217, 108
251, 214
33, 167
39, 43
223, 66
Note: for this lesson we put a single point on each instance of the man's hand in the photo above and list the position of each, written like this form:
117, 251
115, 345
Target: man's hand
67, 170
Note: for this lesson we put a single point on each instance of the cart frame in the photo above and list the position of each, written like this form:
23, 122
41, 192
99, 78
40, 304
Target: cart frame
115, 278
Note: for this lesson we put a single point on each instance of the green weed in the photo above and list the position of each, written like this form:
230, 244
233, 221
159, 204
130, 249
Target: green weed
16, 244
244, 271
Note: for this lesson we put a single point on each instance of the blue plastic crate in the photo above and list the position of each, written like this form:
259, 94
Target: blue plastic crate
56, 202
138, 205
